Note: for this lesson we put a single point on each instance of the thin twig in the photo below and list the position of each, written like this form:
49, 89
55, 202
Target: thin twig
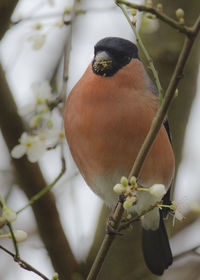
173, 23
126, 224
44, 190
68, 46
24, 264
149, 59
155, 127
14, 240
108, 239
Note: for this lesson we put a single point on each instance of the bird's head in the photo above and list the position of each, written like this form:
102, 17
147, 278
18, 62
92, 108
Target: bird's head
111, 54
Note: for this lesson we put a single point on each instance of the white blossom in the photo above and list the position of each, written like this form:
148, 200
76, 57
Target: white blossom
38, 40
31, 145
42, 91
42, 94
52, 136
157, 190
177, 211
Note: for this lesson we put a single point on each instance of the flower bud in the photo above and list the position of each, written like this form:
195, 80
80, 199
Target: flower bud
151, 16
133, 180
157, 190
9, 214
179, 13
124, 181
20, 235
129, 202
149, 3
160, 7
133, 12
119, 188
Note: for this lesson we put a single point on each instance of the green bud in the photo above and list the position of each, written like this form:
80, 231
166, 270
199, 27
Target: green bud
129, 202
133, 12
179, 13
150, 16
133, 180
124, 181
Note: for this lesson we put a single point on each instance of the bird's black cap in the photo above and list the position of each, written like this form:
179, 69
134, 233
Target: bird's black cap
116, 53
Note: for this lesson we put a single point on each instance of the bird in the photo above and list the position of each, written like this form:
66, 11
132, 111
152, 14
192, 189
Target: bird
107, 116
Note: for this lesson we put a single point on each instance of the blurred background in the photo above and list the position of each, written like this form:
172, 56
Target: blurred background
66, 226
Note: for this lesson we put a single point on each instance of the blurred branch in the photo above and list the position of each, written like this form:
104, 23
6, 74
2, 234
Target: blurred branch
155, 127
190, 251
173, 23
24, 264
30, 177
6, 9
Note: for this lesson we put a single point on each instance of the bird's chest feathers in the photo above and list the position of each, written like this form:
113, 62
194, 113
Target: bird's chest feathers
102, 127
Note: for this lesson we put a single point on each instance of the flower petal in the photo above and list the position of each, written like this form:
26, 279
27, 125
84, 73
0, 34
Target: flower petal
36, 151
18, 151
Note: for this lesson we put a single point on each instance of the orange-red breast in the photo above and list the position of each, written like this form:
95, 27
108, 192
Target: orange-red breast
107, 117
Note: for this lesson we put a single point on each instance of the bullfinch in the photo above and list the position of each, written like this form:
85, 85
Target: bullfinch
107, 117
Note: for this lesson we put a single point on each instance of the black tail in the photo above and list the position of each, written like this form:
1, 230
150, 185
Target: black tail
156, 249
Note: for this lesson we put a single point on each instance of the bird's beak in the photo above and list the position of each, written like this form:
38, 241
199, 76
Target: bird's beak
102, 62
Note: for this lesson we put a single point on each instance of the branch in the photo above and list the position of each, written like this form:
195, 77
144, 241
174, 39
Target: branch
149, 59
173, 23
24, 264
155, 127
